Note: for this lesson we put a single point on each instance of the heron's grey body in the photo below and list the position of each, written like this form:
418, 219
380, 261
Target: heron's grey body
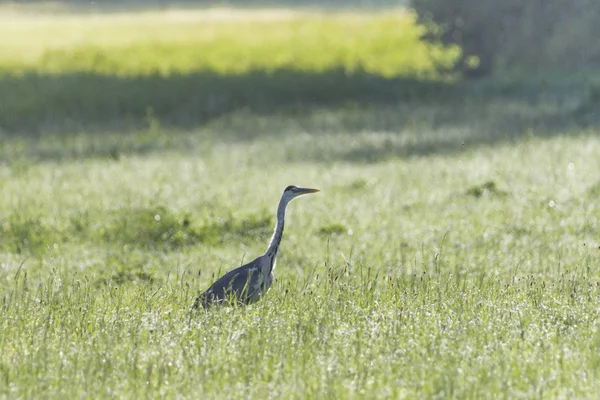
244, 284
249, 282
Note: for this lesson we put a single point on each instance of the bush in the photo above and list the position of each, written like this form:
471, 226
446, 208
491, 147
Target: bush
514, 34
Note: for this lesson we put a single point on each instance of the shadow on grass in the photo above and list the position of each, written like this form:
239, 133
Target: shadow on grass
421, 117
33, 103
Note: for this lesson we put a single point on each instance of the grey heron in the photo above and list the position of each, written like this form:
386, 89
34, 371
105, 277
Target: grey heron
249, 282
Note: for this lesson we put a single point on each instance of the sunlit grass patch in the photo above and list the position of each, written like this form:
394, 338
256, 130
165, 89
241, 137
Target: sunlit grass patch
386, 44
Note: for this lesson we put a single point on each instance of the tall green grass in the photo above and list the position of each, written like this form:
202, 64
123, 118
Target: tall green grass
463, 275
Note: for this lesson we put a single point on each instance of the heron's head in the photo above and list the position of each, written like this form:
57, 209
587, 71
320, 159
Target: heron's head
291, 192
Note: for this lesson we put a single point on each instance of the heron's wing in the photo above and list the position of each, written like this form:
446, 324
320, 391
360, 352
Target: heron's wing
243, 283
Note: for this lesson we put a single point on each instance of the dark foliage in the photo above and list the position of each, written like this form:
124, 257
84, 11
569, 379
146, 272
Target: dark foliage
514, 34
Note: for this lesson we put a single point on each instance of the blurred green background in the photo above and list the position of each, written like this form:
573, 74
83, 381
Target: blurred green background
70, 67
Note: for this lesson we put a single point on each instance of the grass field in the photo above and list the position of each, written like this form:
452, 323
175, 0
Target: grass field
452, 253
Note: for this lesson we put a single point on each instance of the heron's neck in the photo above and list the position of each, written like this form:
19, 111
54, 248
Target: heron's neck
278, 234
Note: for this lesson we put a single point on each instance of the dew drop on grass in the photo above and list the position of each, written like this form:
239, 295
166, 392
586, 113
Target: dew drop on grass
157, 218
552, 204
571, 166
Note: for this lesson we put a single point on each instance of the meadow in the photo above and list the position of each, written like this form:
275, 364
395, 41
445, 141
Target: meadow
452, 252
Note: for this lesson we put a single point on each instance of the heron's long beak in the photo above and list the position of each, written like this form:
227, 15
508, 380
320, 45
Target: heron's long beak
307, 190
